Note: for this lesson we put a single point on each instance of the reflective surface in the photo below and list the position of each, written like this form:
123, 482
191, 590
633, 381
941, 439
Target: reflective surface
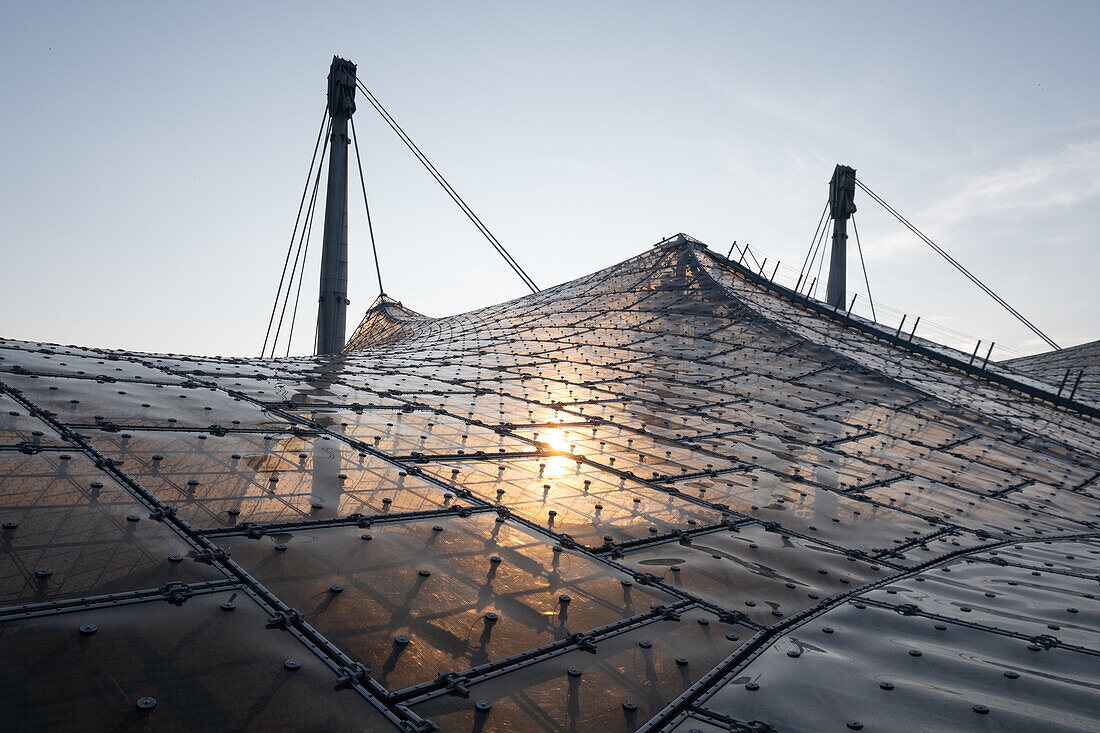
933, 656
70, 531
161, 667
615, 687
447, 518
425, 597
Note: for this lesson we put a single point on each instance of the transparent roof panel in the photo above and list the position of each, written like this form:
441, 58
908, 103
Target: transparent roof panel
223, 480
1029, 602
569, 497
417, 433
68, 530
156, 666
50, 359
19, 428
818, 513
879, 670
92, 402
617, 686
686, 434
420, 598
766, 575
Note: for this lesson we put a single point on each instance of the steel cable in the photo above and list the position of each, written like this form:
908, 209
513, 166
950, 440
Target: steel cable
301, 239
969, 275
447, 187
366, 205
294, 232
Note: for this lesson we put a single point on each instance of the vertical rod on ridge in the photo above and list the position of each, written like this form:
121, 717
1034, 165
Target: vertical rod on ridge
901, 325
976, 347
1075, 383
1063, 384
987, 354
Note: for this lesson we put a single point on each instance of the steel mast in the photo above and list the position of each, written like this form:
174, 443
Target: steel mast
842, 189
332, 304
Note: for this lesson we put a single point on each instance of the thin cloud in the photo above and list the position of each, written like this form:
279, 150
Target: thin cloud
1035, 185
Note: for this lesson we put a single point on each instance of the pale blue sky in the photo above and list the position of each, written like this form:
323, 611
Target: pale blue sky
152, 154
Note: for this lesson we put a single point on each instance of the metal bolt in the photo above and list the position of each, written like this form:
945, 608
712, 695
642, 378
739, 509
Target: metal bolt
89, 629
146, 703
292, 665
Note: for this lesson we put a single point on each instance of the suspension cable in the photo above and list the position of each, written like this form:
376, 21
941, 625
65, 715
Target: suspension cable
294, 232
302, 272
817, 247
366, 204
813, 240
820, 264
474, 219
298, 252
866, 280
970, 276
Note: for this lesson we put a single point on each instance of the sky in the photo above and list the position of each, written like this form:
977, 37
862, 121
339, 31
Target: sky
152, 155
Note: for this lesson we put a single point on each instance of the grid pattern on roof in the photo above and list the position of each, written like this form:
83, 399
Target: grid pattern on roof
619, 503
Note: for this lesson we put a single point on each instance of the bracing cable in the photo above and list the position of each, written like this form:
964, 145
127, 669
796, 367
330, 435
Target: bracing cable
448, 188
474, 219
866, 280
294, 232
817, 247
969, 275
298, 252
301, 273
366, 205
813, 241
820, 262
